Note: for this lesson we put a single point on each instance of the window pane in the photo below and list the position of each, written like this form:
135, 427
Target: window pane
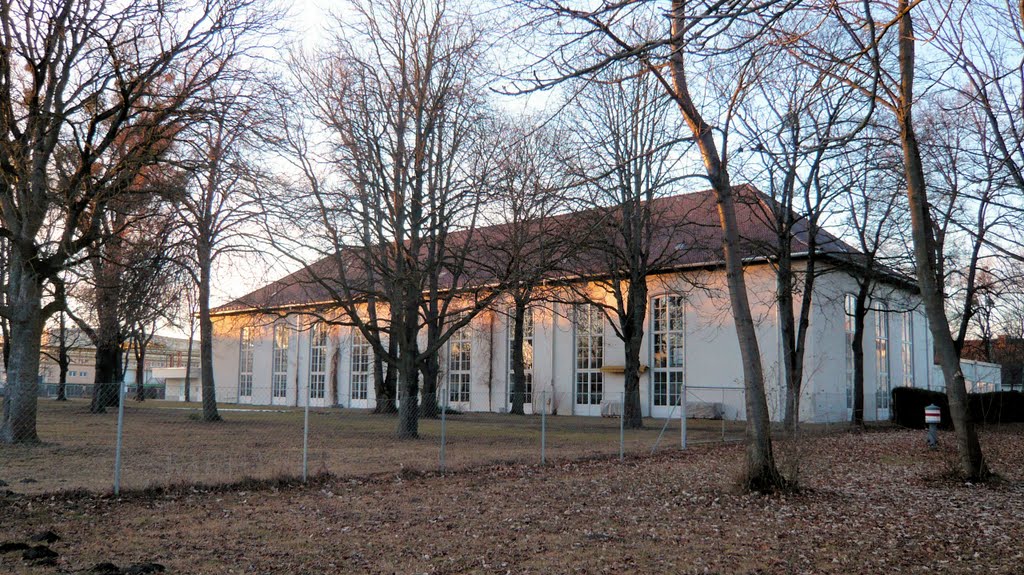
668, 349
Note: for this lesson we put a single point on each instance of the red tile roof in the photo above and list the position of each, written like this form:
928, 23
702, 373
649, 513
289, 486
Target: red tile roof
685, 233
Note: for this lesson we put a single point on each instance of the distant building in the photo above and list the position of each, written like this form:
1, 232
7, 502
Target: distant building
165, 356
1006, 351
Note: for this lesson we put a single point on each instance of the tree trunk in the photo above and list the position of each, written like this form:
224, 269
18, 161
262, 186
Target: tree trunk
332, 376
206, 336
860, 312
791, 369
140, 372
631, 408
63, 361
431, 365
108, 369
761, 472
109, 337
633, 332
431, 370
408, 410
972, 461
188, 362
518, 359
385, 378
26, 324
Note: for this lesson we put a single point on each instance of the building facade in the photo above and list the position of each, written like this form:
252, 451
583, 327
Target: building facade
271, 352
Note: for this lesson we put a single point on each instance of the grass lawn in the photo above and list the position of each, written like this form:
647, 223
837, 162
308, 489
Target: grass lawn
165, 443
876, 502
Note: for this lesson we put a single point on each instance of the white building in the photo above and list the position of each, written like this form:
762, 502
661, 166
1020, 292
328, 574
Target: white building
574, 356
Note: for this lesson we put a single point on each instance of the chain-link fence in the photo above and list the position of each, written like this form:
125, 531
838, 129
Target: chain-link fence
156, 443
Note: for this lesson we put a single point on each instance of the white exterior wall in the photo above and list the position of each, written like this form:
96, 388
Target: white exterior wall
712, 366
225, 366
824, 397
979, 376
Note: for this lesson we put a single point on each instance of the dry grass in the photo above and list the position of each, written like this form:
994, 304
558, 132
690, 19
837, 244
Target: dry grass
166, 444
876, 502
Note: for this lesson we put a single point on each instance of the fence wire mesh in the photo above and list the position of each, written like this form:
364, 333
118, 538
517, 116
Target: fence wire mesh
295, 431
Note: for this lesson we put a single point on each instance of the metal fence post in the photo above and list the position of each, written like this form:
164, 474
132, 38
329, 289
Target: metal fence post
305, 436
622, 427
120, 436
723, 415
444, 414
682, 417
543, 425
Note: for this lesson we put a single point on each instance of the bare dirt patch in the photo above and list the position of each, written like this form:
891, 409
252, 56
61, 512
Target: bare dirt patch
872, 503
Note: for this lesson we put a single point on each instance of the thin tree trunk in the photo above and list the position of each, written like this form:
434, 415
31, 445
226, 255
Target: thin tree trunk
859, 315
761, 471
784, 299
633, 332
972, 461
63, 361
518, 358
210, 412
140, 372
332, 376
188, 361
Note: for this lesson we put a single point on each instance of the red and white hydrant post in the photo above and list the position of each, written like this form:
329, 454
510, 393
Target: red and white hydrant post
932, 417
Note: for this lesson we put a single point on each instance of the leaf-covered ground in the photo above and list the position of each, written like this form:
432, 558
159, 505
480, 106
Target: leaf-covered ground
878, 502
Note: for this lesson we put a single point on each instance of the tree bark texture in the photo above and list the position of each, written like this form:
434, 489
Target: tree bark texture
518, 358
633, 334
20, 399
210, 412
385, 379
860, 312
140, 372
63, 360
109, 337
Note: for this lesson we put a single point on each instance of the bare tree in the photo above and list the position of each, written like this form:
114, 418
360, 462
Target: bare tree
872, 210
627, 134
527, 242
974, 209
67, 340
187, 313
795, 139
74, 77
151, 293
698, 34
926, 254
221, 203
879, 58
401, 184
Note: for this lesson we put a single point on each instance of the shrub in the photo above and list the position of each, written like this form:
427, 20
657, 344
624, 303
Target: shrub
908, 405
996, 407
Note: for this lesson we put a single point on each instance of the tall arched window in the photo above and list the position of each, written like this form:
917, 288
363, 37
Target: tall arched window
318, 360
279, 369
667, 334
